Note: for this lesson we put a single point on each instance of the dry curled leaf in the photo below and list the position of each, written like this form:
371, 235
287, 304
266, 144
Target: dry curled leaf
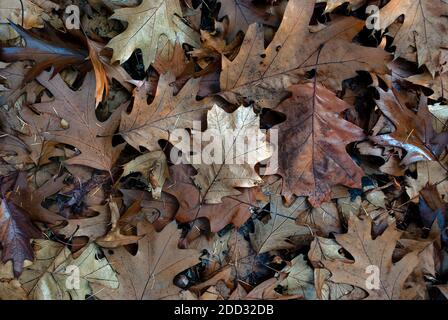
414, 132
153, 166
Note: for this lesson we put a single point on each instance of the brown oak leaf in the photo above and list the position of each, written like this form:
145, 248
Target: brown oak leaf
313, 140
154, 27
31, 199
281, 231
368, 252
149, 274
261, 75
85, 132
147, 123
47, 48
228, 162
424, 28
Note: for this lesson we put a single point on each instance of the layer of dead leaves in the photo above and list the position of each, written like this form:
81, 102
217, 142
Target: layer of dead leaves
87, 183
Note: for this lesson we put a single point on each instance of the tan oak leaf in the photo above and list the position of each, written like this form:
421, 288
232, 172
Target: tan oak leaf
147, 123
149, 274
47, 277
228, 161
372, 254
424, 28
154, 27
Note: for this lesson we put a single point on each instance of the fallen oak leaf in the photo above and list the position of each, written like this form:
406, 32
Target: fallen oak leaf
114, 238
101, 83
329, 290
226, 169
154, 27
159, 212
440, 116
313, 140
47, 277
40, 150
281, 231
413, 132
146, 124
105, 71
153, 167
91, 227
93, 138
299, 279
367, 252
423, 28
214, 45
31, 199
149, 274
177, 64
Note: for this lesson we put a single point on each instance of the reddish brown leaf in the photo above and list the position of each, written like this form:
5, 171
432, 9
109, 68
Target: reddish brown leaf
233, 210
47, 48
414, 132
16, 231
31, 199
312, 141
242, 13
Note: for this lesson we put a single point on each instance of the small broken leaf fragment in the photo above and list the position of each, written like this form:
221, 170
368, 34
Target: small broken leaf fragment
153, 167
